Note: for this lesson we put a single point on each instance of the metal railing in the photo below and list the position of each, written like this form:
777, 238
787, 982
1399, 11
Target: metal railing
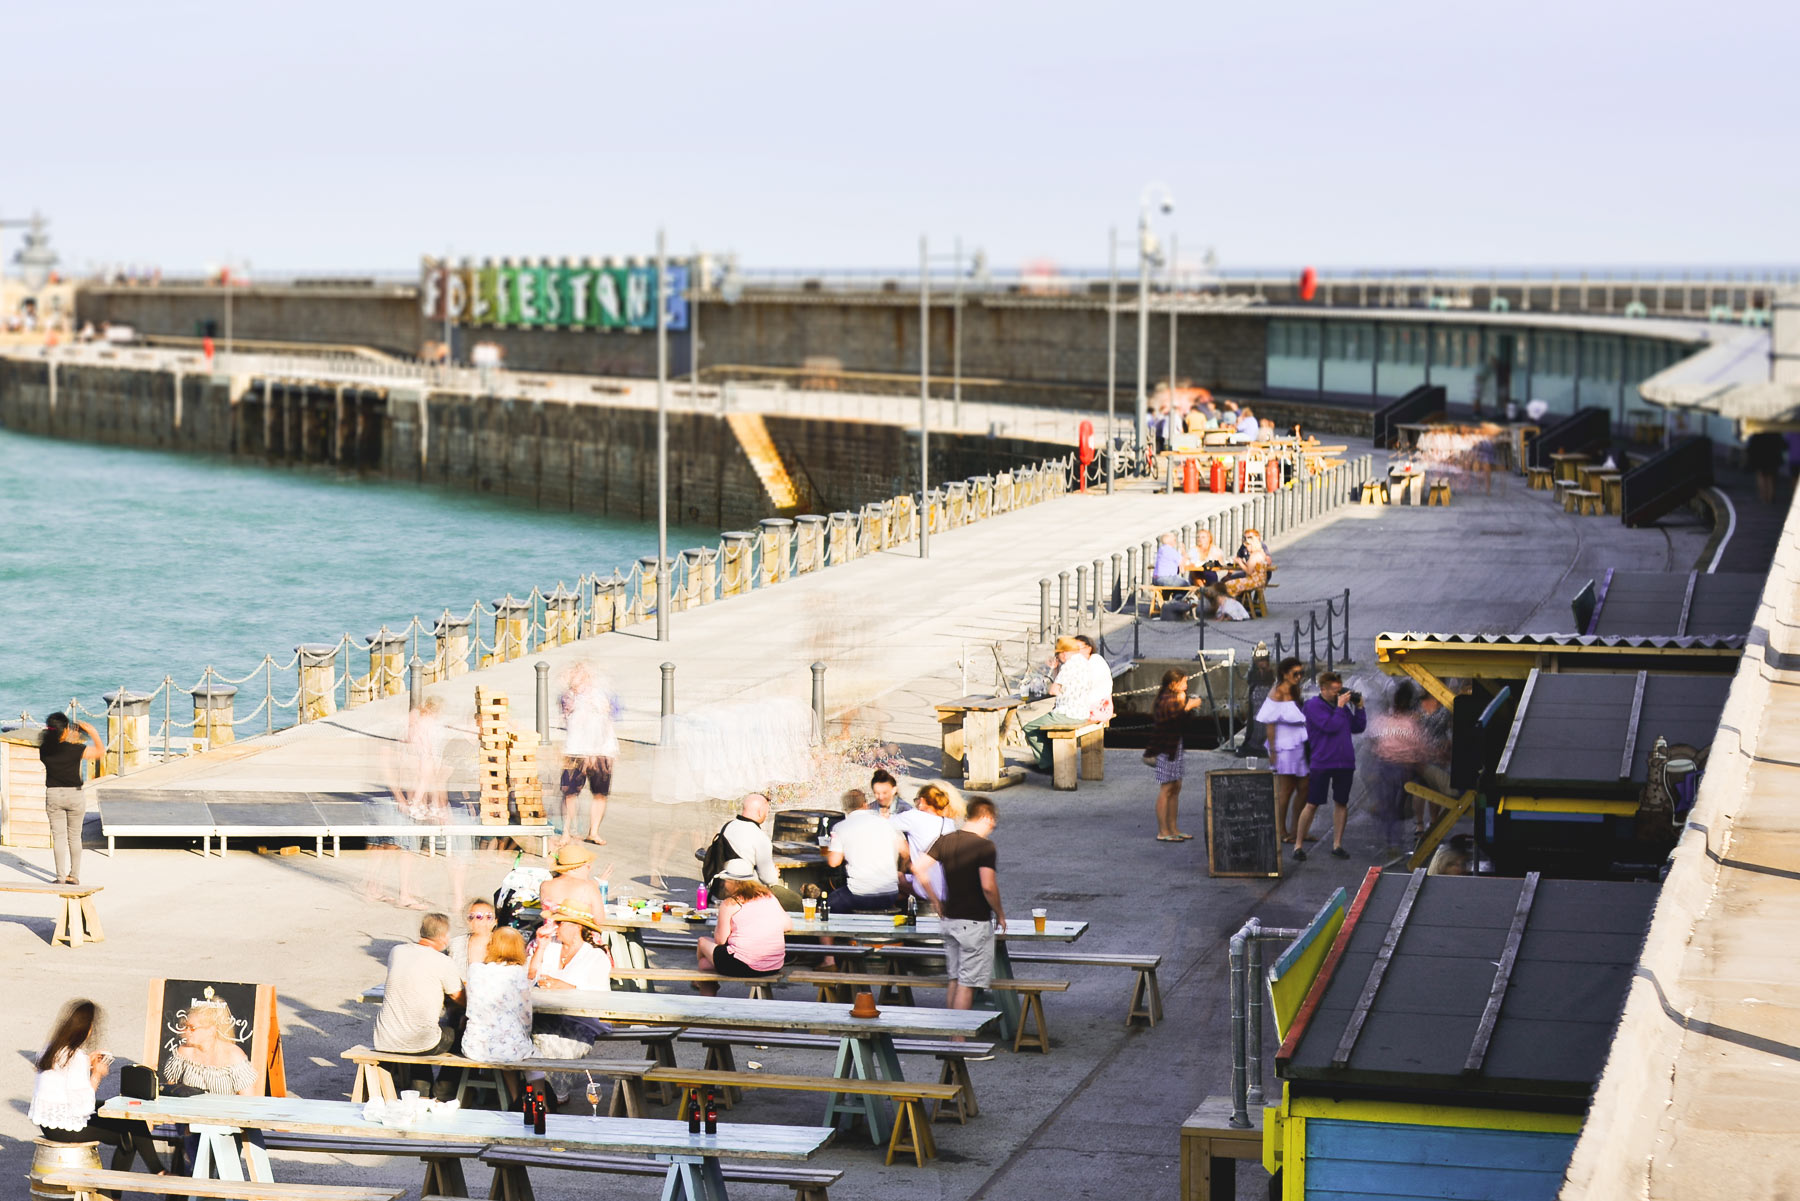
321, 678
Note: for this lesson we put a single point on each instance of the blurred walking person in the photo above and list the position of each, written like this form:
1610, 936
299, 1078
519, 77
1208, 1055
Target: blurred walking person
590, 748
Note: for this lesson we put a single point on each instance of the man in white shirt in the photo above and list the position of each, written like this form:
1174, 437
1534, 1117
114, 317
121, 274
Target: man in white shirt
1082, 690
750, 842
420, 977
870, 851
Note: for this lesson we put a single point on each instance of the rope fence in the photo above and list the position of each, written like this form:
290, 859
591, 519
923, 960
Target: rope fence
319, 679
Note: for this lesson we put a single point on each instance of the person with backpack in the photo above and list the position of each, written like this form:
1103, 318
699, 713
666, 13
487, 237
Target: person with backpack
743, 837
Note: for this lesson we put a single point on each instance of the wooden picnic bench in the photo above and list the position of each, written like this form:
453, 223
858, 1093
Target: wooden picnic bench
76, 921
910, 1132
972, 730
442, 1160
1146, 994
761, 987
94, 1184
1161, 594
952, 1056
627, 1101
1077, 749
809, 1184
1032, 1030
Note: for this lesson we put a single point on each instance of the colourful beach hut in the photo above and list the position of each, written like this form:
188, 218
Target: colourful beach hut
1451, 1041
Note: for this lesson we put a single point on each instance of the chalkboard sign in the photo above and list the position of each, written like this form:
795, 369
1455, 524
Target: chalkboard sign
238, 1019
1243, 837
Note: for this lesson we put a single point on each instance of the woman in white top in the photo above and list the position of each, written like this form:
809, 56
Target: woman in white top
62, 1097
498, 1028
571, 960
935, 813
1286, 742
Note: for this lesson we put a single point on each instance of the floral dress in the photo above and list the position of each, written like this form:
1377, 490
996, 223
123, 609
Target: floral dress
498, 1029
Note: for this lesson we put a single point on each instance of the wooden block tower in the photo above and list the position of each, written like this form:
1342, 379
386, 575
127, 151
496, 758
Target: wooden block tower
522, 777
492, 738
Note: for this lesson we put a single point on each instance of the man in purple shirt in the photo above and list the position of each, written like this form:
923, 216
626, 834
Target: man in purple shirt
1331, 718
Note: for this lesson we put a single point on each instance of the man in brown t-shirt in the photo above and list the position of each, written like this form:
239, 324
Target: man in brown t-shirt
971, 905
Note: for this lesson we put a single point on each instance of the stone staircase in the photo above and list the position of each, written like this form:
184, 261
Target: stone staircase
753, 436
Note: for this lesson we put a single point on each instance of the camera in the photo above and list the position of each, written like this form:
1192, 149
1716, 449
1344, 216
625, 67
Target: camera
1355, 697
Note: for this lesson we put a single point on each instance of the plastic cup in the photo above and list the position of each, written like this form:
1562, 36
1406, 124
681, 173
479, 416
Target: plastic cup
411, 1094
1037, 919
809, 908
656, 914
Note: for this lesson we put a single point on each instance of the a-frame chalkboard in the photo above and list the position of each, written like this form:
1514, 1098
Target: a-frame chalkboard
1243, 834
256, 1030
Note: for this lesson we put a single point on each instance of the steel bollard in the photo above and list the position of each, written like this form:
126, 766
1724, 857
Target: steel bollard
1044, 609
1062, 602
1149, 561
1118, 598
1099, 580
818, 702
1131, 575
1081, 592
415, 683
543, 702
666, 736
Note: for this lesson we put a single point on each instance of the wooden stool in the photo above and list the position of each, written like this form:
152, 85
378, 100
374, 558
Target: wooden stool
1374, 493
1539, 478
1612, 488
1587, 501
1440, 493
1565, 491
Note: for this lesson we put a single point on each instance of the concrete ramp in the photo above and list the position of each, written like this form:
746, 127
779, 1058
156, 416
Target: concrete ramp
753, 435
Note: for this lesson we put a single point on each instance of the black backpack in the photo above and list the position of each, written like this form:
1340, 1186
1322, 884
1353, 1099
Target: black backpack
719, 853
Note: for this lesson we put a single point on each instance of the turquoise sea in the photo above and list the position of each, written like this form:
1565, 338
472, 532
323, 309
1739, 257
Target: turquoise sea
120, 567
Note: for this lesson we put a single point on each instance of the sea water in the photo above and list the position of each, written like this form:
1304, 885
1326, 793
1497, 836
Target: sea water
119, 567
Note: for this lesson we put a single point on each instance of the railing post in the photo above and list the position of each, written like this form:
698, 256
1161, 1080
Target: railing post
1348, 657
1253, 1024
1081, 581
666, 736
1131, 573
1240, 1112
818, 702
1044, 609
543, 702
1099, 580
1118, 596
415, 683
1062, 602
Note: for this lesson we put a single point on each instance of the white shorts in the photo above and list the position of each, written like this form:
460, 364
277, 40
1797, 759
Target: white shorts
969, 951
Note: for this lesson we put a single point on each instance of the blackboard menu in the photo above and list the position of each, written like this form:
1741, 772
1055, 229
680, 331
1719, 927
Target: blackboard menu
1243, 837
240, 1026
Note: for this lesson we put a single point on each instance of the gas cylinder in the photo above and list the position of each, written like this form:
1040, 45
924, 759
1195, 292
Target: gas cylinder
1217, 481
1190, 477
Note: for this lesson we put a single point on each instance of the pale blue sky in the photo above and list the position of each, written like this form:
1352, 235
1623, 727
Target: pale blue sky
338, 135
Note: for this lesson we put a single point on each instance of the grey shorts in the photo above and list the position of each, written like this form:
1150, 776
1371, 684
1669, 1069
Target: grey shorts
969, 952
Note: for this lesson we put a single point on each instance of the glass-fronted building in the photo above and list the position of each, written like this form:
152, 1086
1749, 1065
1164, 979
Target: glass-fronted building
1351, 360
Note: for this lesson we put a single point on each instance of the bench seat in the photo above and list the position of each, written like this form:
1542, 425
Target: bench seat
76, 919
911, 1133
809, 1184
374, 1080
92, 1184
1146, 993
1033, 1029
1076, 749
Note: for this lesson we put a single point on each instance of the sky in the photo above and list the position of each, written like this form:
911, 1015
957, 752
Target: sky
358, 136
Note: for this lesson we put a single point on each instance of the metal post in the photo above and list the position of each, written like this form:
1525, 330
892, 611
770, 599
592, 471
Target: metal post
956, 343
1099, 578
1143, 331
1081, 582
415, 682
1240, 1111
662, 445
1172, 257
924, 393
1347, 655
543, 696
818, 702
1112, 348
1062, 602
666, 735
1044, 609
1132, 579
694, 283
1118, 601
1253, 987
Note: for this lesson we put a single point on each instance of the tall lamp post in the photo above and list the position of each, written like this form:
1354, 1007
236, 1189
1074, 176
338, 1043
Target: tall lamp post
662, 440
1112, 349
1146, 252
924, 511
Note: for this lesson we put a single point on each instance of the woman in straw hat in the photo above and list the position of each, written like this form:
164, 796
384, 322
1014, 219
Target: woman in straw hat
570, 886
569, 959
750, 933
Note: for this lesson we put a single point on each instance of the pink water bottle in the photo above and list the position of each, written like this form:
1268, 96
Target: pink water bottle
700, 897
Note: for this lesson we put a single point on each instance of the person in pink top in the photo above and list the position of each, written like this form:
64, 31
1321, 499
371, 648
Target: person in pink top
750, 935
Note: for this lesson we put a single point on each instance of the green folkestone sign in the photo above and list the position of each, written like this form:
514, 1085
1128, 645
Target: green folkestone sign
552, 297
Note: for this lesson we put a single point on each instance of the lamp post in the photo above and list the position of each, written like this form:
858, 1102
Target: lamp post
662, 440
694, 289
1173, 258
1112, 347
956, 342
923, 513
1146, 252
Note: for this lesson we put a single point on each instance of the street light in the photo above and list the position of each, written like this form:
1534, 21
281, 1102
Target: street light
1147, 251
662, 440
1112, 348
923, 512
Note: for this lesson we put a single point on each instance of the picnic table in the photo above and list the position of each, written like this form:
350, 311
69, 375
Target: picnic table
865, 1045
973, 727
693, 1159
